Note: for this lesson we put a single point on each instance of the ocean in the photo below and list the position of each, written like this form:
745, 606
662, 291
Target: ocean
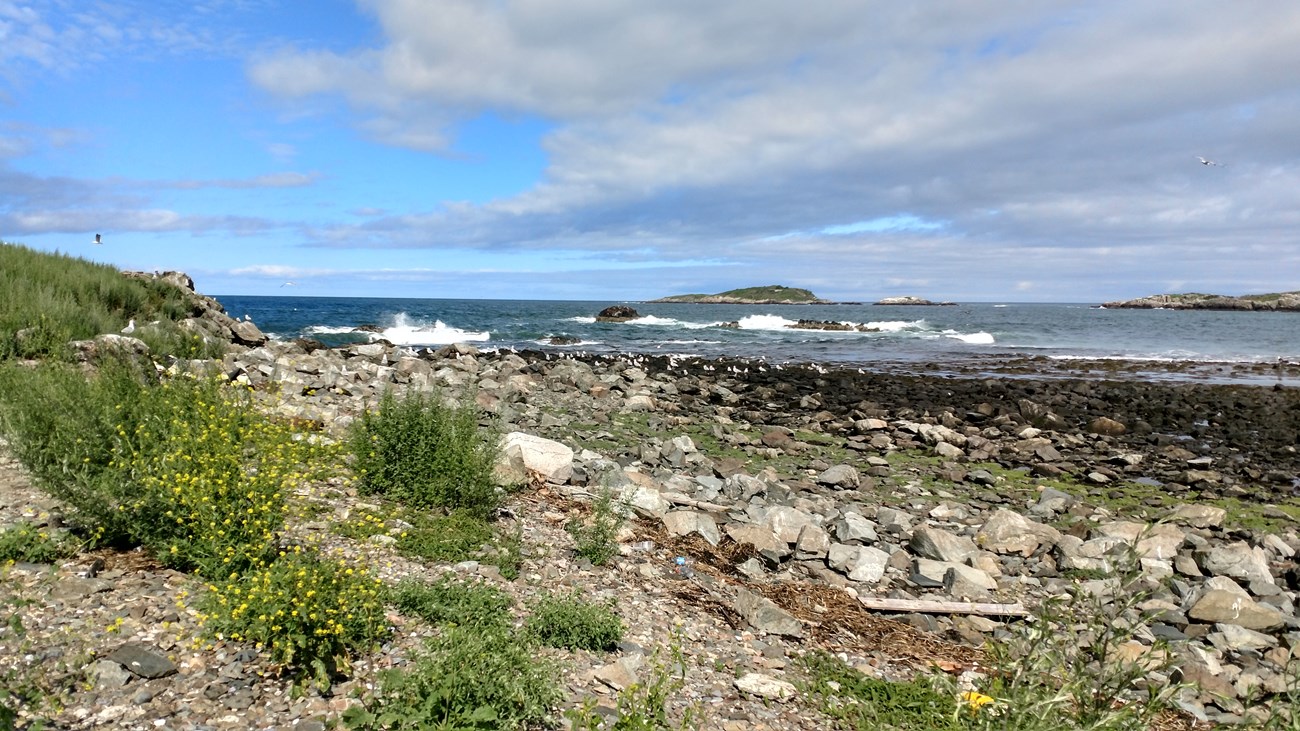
963, 336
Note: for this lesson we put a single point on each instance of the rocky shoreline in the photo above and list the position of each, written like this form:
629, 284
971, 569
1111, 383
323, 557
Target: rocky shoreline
797, 495
1279, 302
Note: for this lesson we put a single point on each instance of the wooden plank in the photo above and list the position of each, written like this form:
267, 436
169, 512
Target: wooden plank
928, 606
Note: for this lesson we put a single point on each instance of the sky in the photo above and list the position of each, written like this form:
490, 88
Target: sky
607, 149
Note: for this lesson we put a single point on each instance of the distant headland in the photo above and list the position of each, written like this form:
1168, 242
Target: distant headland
772, 294
1272, 302
776, 294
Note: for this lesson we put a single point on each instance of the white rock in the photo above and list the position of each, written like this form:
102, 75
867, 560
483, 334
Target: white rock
765, 686
524, 455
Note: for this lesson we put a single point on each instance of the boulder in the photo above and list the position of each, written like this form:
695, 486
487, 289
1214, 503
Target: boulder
1237, 560
617, 313
686, 522
524, 456
1198, 516
842, 476
1007, 531
787, 522
761, 537
859, 563
765, 616
940, 545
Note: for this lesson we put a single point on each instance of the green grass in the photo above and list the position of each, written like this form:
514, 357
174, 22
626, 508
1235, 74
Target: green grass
469, 677
569, 622
47, 300
862, 703
449, 601
461, 536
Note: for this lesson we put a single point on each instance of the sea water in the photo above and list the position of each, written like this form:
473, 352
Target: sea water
952, 335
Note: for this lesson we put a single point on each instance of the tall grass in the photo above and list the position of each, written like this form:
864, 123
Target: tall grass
47, 300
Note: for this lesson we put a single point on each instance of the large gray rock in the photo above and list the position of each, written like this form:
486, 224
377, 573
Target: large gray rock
894, 520
787, 522
1160, 540
1198, 516
853, 528
765, 616
842, 476
1238, 560
1220, 600
859, 563
686, 522
940, 545
761, 538
524, 456
1007, 531
813, 542
968, 582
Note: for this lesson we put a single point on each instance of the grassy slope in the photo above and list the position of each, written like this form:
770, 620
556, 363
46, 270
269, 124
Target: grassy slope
55, 298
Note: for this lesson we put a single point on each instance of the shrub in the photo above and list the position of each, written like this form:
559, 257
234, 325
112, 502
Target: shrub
470, 677
643, 706
186, 466
419, 450
448, 601
26, 542
571, 623
594, 538
309, 614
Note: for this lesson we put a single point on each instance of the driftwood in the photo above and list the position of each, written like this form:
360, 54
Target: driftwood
928, 606
677, 498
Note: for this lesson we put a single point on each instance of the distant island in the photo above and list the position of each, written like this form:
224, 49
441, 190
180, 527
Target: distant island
910, 301
1272, 302
772, 294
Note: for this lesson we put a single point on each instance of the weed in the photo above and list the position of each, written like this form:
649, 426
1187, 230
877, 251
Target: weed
448, 601
470, 677
26, 542
572, 623
594, 538
307, 613
420, 451
643, 706
857, 701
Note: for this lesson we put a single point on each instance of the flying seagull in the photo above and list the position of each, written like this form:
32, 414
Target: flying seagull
99, 239
289, 284
1208, 162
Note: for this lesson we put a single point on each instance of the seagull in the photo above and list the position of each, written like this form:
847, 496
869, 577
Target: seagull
1208, 162
98, 239
289, 284
130, 327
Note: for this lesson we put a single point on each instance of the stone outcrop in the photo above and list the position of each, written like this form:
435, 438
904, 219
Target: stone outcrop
1281, 302
909, 300
617, 313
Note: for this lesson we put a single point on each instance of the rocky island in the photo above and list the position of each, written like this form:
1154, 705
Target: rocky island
772, 294
1272, 302
909, 300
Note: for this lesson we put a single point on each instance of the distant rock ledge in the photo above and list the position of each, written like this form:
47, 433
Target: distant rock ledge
1274, 302
910, 300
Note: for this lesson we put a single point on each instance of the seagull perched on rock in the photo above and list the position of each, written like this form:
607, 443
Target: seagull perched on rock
1208, 162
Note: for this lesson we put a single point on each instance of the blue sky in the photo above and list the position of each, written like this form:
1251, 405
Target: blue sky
551, 149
